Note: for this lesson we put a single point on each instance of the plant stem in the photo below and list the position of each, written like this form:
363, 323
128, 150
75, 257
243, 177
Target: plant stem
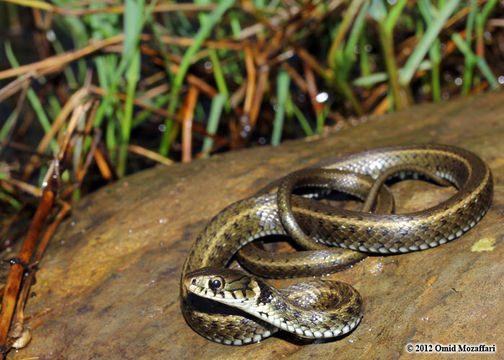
387, 42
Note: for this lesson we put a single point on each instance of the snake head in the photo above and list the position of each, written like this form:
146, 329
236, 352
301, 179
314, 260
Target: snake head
227, 286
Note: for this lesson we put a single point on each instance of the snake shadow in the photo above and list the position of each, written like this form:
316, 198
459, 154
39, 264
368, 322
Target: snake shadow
296, 340
212, 307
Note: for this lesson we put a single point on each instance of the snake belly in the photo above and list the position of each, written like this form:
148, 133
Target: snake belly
257, 216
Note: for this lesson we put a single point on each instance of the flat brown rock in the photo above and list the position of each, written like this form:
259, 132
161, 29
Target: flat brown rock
108, 286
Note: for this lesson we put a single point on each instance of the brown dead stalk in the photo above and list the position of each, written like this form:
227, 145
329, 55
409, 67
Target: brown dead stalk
187, 123
61, 60
20, 335
21, 263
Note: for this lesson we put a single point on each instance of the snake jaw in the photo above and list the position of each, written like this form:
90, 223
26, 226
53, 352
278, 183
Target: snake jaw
227, 286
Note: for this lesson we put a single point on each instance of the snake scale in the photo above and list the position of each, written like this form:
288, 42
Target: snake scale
231, 307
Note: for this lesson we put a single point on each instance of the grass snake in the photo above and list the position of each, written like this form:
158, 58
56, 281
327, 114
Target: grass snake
232, 307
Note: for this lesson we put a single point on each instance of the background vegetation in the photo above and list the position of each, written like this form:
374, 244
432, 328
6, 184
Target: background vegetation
109, 88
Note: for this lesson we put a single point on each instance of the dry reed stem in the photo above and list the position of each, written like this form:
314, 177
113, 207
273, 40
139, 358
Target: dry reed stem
312, 62
312, 89
152, 79
62, 59
259, 95
236, 98
155, 91
19, 264
298, 79
15, 85
103, 165
149, 154
462, 13
371, 99
118, 9
187, 123
213, 44
251, 79
79, 111
18, 320
69, 106
382, 107
191, 79
81, 169
17, 112
81, 172
24, 186
72, 103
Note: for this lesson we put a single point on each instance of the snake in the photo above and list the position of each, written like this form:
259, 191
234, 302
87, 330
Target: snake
233, 307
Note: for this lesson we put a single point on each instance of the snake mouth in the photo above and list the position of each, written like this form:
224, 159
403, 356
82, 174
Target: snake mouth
193, 285
226, 286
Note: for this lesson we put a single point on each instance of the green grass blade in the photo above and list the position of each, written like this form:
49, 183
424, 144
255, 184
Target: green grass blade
470, 61
58, 49
487, 73
7, 127
480, 62
379, 77
300, 117
378, 11
283, 82
158, 102
133, 25
462, 45
6, 198
487, 9
394, 14
321, 116
132, 80
423, 46
218, 73
213, 18
426, 9
352, 10
353, 39
235, 24
370, 80
470, 21
110, 139
213, 120
33, 99
365, 61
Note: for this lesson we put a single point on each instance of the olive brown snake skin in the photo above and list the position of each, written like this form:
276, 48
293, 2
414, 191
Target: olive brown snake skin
254, 310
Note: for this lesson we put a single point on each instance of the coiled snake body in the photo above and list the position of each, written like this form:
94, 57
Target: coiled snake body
321, 308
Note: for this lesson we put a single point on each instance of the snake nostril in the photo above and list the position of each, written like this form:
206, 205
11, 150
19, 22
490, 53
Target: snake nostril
193, 282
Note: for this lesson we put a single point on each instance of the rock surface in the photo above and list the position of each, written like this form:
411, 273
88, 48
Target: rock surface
108, 286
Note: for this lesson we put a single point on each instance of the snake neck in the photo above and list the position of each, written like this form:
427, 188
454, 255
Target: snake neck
335, 310
233, 228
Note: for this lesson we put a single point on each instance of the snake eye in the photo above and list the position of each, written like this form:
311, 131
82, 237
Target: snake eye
215, 284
